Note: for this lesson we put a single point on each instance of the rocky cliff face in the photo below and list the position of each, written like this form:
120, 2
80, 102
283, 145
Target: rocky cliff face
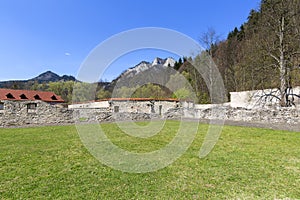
143, 66
146, 72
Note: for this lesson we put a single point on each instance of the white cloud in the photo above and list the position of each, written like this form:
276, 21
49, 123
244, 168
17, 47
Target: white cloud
67, 54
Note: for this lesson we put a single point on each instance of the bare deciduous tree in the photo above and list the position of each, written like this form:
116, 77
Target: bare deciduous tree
209, 41
280, 40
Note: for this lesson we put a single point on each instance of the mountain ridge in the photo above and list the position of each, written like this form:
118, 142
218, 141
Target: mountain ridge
50, 76
158, 65
145, 65
145, 72
44, 77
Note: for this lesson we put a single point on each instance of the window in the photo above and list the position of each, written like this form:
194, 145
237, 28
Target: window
1, 106
31, 107
10, 96
23, 96
37, 97
53, 97
116, 109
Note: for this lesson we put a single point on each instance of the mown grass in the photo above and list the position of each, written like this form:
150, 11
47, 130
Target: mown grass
246, 163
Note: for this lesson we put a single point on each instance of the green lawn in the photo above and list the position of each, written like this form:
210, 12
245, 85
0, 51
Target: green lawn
247, 163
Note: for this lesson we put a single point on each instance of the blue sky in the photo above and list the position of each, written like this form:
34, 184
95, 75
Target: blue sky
57, 35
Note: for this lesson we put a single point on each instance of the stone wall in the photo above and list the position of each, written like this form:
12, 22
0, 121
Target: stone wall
22, 113
263, 115
103, 115
131, 106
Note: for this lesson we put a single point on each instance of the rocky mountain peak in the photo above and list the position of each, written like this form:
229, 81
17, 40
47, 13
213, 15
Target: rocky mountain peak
165, 62
145, 70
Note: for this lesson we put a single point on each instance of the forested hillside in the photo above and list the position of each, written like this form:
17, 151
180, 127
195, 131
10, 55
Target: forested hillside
264, 52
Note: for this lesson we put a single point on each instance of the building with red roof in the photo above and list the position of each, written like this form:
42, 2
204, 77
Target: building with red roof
29, 95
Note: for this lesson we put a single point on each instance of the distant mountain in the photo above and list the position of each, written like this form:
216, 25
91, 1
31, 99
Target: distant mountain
159, 69
51, 77
145, 71
45, 77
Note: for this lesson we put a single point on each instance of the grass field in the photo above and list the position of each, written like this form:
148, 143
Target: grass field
247, 163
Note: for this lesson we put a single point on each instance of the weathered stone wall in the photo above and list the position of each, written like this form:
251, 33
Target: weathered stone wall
274, 115
131, 106
22, 113
103, 115
19, 113
268, 116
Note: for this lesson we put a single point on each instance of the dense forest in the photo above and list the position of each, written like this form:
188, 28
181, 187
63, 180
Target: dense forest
264, 52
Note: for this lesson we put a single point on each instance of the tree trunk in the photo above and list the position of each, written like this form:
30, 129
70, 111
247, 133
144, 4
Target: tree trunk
282, 66
283, 84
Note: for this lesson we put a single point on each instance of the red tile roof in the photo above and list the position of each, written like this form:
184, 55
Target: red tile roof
9, 94
139, 99
129, 99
